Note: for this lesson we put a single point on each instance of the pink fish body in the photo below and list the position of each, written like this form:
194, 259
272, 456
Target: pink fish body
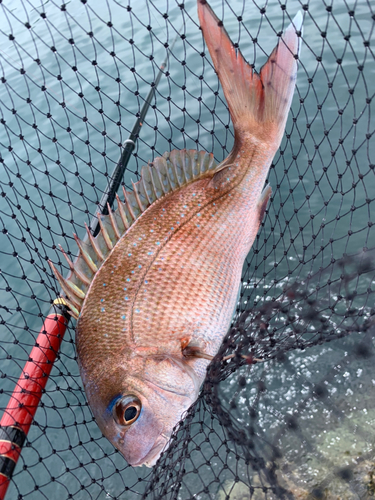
156, 290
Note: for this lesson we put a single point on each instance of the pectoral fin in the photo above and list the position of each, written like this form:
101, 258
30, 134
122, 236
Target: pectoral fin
191, 349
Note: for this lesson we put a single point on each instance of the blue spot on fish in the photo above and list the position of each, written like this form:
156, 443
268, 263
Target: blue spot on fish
158, 242
103, 310
129, 254
123, 317
104, 284
140, 267
127, 279
113, 402
101, 300
126, 298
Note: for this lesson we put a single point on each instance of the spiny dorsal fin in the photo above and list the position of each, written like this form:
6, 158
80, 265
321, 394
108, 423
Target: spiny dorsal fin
164, 175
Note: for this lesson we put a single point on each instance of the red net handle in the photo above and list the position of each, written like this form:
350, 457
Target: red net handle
23, 403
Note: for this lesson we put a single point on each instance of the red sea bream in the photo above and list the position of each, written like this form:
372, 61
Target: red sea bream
155, 291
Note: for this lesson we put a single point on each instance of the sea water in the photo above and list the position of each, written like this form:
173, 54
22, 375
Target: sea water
74, 82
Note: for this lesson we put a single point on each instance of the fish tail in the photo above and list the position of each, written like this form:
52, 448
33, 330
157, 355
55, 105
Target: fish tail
258, 103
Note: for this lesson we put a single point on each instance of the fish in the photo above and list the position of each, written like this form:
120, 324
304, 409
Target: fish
155, 291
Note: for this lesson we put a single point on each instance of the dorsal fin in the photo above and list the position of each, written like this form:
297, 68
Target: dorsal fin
164, 175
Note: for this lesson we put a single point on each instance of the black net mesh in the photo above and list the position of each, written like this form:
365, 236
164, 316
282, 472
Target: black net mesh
291, 412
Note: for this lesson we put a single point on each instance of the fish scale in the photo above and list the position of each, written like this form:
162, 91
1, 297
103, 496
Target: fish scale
155, 291
165, 243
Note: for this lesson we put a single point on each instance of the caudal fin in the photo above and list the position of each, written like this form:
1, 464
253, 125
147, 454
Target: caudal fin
258, 103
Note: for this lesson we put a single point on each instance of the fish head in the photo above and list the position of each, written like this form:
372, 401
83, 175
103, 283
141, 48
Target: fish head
137, 412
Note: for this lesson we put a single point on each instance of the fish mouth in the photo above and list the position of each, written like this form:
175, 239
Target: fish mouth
153, 455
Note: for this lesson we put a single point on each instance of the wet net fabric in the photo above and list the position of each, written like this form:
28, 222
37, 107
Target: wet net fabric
287, 409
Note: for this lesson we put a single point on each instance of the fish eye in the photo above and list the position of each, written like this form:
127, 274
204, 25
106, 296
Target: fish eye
127, 410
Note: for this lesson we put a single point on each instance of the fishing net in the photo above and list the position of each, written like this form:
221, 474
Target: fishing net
287, 409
